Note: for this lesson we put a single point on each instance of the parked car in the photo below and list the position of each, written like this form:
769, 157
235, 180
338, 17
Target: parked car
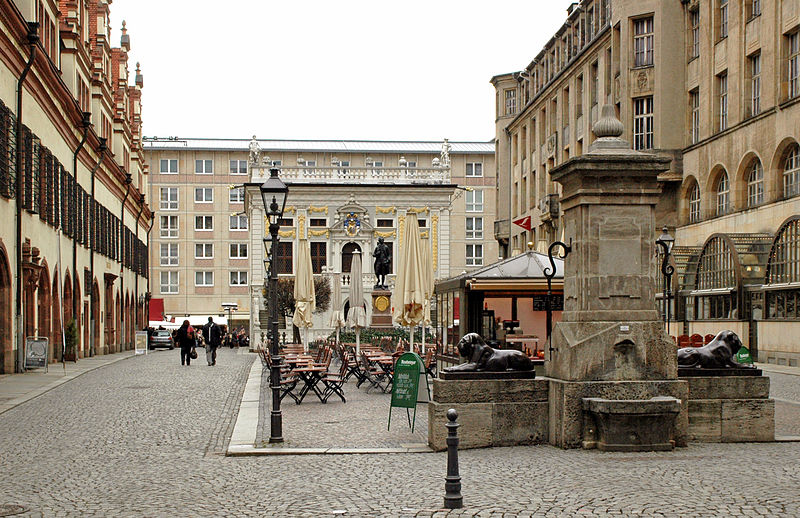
161, 338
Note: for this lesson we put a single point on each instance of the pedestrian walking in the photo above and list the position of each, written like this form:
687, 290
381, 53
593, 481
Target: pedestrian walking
185, 339
212, 335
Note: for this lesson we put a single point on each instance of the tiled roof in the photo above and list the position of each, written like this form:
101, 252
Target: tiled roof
341, 146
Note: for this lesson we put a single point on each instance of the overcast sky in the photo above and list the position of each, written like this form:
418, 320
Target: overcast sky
329, 69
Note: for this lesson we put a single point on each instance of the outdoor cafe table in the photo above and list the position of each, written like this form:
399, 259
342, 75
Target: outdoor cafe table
310, 376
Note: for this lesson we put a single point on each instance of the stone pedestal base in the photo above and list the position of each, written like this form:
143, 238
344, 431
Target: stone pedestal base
730, 409
630, 424
490, 412
567, 427
381, 309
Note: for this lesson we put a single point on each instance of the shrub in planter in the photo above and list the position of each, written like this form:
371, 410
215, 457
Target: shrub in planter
71, 341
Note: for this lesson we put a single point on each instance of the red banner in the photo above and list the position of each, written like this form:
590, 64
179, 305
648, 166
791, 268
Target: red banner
524, 222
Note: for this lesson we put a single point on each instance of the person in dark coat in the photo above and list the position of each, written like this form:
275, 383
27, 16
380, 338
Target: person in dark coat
185, 339
212, 335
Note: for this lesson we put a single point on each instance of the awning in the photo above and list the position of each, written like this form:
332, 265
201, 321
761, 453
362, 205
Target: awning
156, 310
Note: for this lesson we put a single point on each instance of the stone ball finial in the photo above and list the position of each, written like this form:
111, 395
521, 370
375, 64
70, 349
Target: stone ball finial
608, 125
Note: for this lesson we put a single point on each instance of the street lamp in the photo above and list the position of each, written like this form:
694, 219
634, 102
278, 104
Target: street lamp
665, 241
229, 307
273, 194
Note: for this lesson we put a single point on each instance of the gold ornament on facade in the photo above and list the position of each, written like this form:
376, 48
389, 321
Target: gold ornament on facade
401, 225
318, 233
386, 234
290, 208
420, 210
385, 210
287, 233
301, 225
423, 235
324, 209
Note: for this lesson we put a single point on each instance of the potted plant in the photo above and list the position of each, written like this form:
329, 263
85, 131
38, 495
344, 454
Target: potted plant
71, 341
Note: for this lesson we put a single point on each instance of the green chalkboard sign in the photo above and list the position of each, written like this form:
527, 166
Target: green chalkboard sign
405, 384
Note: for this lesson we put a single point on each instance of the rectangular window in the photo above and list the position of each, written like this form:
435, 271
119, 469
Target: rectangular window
204, 167
286, 222
318, 222
283, 258
722, 86
238, 167
474, 169
169, 198
794, 65
755, 8
385, 223
238, 251
643, 42
755, 84
474, 255
236, 195
203, 278
238, 279
474, 202
238, 222
203, 250
319, 255
204, 195
511, 101
643, 123
595, 85
694, 18
169, 254
694, 100
723, 19
204, 223
474, 228
169, 166
169, 282
169, 226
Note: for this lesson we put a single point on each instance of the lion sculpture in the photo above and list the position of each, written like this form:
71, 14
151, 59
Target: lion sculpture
719, 353
481, 357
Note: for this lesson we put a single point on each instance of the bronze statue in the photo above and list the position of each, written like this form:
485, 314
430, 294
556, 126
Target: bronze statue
481, 357
717, 354
383, 261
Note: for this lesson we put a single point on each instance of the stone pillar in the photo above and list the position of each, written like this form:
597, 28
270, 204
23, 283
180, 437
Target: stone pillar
610, 342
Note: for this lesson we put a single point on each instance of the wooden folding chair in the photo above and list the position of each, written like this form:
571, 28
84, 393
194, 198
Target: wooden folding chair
376, 376
697, 340
334, 382
684, 341
289, 380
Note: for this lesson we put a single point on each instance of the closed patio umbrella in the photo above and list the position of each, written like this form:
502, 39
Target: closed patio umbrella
304, 295
357, 315
337, 320
427, 270
409, 292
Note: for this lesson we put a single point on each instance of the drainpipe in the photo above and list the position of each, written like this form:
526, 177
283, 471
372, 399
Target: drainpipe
139, 215
85, 124
33, 40
101, 148
128, 180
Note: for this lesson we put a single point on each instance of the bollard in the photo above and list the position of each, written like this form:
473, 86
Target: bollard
452, 484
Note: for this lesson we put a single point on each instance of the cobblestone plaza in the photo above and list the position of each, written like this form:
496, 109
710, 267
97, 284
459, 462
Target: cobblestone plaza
153, 446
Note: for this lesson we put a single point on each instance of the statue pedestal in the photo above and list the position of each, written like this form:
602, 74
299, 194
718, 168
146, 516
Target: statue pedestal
381, 309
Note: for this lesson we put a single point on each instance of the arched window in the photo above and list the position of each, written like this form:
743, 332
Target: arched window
347, 256
694, 204
755, 184
782, 285
791, 173
723, 195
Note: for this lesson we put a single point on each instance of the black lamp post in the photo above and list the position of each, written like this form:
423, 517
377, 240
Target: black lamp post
273, 194
665, 241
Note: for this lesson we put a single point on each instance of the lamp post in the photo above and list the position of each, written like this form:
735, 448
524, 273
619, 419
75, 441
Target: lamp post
665, 241
230, 307
273, 194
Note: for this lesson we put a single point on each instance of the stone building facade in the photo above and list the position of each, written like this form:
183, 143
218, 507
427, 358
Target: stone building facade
714, 85
208, 245
73, 216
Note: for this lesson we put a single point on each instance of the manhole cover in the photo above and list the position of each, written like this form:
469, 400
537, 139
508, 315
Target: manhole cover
11, 509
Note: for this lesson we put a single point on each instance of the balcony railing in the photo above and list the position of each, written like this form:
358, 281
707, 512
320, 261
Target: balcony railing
388, 175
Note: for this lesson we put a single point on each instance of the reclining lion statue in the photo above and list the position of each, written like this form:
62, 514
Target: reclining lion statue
481, 357
719, 353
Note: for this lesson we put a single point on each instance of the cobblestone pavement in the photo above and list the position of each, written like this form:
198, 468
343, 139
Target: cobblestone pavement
361, 422
785, 387
142, 437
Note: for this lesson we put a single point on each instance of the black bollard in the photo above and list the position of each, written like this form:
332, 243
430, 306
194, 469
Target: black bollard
452, 484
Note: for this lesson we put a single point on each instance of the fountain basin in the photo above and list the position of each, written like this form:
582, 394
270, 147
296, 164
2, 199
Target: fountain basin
630, 424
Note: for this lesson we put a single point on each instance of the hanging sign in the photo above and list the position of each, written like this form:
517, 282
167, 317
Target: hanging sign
524, 222
405, 385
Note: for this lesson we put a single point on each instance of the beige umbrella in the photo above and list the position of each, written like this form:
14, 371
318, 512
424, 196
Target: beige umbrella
337, 320
409, 291
304, 295
357, 315
427, 270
